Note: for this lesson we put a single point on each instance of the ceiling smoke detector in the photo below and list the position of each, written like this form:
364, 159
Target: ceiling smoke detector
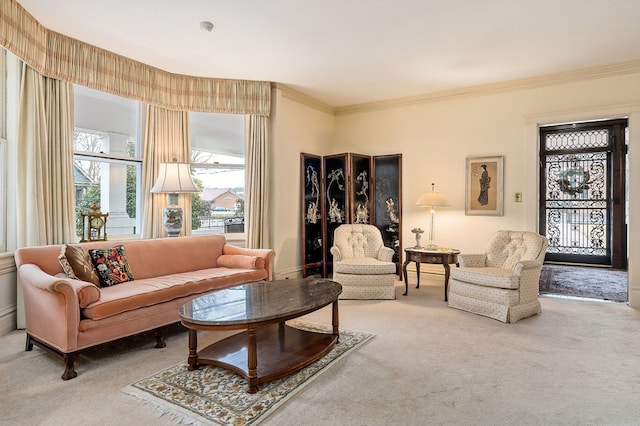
206, 26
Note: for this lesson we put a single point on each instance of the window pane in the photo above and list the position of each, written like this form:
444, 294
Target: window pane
107, 169
217, 160
113, 186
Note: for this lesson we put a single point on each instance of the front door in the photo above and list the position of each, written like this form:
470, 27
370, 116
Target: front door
582, 192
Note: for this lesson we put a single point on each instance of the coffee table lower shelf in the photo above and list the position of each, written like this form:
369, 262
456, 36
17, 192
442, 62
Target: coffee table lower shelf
275, 350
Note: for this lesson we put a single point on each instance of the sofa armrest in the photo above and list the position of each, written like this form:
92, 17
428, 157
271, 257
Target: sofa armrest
52, 306
385, 254
335, 251
266, 254
472, 260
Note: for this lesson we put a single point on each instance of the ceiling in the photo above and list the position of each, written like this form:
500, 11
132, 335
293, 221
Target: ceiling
345, 52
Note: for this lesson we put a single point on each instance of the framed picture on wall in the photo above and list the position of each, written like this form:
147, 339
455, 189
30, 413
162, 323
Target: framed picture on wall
484, 195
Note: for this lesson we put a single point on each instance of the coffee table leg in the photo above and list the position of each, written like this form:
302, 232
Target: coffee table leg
252, 361
193, 350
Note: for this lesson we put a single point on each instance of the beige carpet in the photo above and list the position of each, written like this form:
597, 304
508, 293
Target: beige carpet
577, 363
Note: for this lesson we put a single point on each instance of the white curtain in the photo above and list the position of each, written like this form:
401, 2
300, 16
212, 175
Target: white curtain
166, 138
257, 182
45, 205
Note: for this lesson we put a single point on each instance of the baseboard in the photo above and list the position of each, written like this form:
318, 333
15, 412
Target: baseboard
8, 322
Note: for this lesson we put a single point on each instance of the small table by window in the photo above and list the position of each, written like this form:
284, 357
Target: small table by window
445, 257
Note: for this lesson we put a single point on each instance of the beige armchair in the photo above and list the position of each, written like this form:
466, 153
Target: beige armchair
502, 283
362, 264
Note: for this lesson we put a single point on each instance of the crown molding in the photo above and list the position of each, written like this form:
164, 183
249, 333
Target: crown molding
294, 95
505, 86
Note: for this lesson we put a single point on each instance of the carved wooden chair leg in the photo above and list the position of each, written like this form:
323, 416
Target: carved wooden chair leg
160, 343
28, 346
69, 371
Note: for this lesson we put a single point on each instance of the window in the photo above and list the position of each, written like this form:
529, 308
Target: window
218, 165
107, 160
3, 146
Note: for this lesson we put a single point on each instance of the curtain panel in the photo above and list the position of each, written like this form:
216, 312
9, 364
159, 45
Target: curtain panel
166, 137
257, 180
58, 56
45, 207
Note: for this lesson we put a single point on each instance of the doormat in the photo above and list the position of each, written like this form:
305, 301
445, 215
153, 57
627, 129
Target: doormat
214, 395
584, 281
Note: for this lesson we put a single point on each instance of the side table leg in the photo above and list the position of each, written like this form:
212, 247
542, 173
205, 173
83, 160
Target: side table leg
406, 280
334, 320
447, 271
252, 361
193, 350
418, 272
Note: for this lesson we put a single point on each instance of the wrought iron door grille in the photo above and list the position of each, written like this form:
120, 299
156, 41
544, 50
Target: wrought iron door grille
577, 198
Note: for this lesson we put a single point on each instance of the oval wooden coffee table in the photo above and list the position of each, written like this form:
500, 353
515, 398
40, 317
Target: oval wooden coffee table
267, 348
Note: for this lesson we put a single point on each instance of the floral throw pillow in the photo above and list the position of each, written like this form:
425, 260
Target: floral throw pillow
111, 264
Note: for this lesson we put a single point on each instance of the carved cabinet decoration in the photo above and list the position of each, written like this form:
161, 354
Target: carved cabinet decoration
343, 188
312, 209
388, 202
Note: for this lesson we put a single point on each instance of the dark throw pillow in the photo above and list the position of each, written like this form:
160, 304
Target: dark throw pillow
111, 265
77, 264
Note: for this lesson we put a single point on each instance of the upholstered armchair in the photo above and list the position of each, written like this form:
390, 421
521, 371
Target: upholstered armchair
362, 263
502, 283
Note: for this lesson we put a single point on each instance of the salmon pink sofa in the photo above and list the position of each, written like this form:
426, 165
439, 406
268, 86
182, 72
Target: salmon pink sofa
69, 314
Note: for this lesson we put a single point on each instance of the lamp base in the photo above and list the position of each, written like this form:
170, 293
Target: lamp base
172, 220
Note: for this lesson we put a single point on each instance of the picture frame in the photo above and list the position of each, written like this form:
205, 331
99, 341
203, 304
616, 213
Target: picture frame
484, 190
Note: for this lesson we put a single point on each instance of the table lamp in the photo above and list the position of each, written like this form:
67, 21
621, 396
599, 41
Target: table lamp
174, 178
432, 199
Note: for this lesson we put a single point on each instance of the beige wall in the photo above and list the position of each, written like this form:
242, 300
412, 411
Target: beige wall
435, 137
297, 125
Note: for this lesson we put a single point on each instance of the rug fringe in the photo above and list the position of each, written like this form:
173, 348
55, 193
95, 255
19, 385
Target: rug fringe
175, 413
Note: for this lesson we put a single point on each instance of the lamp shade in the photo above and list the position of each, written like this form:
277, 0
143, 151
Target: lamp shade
432, 198
173, 178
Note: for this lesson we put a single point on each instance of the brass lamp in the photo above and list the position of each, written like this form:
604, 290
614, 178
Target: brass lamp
432, 199
174, 178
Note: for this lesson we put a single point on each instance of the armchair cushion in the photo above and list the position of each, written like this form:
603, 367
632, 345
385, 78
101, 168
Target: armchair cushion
364, 266
488, 277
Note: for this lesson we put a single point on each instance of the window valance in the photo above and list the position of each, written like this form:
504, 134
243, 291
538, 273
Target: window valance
58, 56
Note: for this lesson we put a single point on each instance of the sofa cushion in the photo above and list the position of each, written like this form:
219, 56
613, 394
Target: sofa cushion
240, 261
77, 264
364, 266
111, 265
151, 291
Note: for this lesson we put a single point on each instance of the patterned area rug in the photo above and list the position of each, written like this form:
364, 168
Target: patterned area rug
213, 395
583, 281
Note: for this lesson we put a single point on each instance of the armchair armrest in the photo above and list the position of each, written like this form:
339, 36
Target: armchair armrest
524, 265
472, 260
266, 254
385, 254
335, 251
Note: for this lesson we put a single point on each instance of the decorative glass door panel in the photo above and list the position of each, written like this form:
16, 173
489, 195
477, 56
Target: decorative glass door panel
577, 192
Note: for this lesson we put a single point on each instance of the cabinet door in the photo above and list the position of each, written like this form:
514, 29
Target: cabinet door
360, 191
312, 214
336, 201
387, 170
